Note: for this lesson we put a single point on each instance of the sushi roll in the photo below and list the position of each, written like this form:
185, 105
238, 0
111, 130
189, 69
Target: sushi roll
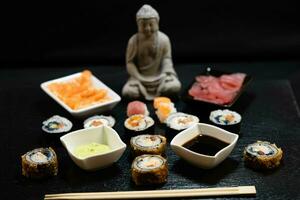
226, 119
56, 125
39, 163
164, 108
179, 121
139, 124
148, 144
99, 120
158, 100
149, 169
137, 107
262, 155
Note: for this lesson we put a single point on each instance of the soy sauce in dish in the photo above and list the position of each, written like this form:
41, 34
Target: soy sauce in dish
205, 144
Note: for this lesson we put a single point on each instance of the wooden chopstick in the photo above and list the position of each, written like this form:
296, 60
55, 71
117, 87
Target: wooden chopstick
221, 191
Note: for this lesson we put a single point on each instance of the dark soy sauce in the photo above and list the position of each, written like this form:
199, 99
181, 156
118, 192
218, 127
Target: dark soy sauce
205, 144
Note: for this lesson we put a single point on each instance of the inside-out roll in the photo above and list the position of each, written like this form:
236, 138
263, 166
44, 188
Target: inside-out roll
262, 155
149, 169
39, 163
148, 144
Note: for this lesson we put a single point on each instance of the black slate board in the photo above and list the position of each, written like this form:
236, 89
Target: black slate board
267, 106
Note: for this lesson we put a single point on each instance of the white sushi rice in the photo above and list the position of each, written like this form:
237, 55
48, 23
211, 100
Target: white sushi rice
261, 149
225, 117
99, 120
38, 155
143, 123
181, 121
147, 140
148, 162
146, 110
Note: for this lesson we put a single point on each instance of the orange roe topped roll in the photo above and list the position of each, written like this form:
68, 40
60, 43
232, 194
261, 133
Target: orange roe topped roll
79, 92
164, 107
158, 100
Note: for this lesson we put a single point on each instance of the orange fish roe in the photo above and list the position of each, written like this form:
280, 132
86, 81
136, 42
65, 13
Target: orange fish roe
164, 110
79, 92
159, 100
164, 107
135, 120
230, 117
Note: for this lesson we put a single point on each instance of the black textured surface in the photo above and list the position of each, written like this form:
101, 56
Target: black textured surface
295, 83
269, 113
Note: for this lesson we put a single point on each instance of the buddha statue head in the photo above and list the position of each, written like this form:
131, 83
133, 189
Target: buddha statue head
147, 20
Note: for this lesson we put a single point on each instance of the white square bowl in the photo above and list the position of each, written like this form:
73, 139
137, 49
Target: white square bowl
102, 135
201, 160
90, 110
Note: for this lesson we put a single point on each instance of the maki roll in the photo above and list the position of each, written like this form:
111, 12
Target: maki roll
139, 124
136, 108
262, 155
149, 169
56, 125
148, 144
179, 121
164, 108
39, 163
226, 119
99, 120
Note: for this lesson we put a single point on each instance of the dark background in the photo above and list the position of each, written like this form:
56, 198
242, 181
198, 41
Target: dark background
44, 41
97, 32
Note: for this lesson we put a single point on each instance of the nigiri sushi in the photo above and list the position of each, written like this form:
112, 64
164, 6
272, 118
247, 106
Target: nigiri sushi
164, 107
158, 100
136, 108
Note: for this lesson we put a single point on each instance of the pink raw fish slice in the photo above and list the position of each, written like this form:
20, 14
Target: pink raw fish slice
136, 107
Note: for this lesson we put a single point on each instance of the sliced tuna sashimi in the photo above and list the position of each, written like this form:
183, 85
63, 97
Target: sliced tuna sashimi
232, 81
218, 90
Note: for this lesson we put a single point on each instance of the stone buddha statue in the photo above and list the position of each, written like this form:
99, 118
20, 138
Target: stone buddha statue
149, 60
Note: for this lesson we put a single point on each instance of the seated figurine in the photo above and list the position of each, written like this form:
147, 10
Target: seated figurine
149, 61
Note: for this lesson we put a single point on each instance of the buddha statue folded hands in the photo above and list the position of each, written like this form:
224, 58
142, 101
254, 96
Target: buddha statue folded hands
149, 61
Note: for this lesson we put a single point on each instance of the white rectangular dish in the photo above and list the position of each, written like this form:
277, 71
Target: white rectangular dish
90, 110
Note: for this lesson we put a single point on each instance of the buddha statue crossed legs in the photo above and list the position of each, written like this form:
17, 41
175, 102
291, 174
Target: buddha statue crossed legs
149, 61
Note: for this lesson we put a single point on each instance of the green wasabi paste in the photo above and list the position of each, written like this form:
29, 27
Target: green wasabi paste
91, 149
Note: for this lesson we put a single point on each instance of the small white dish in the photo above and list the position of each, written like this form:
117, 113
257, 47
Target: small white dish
102, 135
90, 110
201, 160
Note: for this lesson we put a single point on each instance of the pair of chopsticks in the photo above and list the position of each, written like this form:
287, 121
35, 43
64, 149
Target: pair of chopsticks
151, 194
